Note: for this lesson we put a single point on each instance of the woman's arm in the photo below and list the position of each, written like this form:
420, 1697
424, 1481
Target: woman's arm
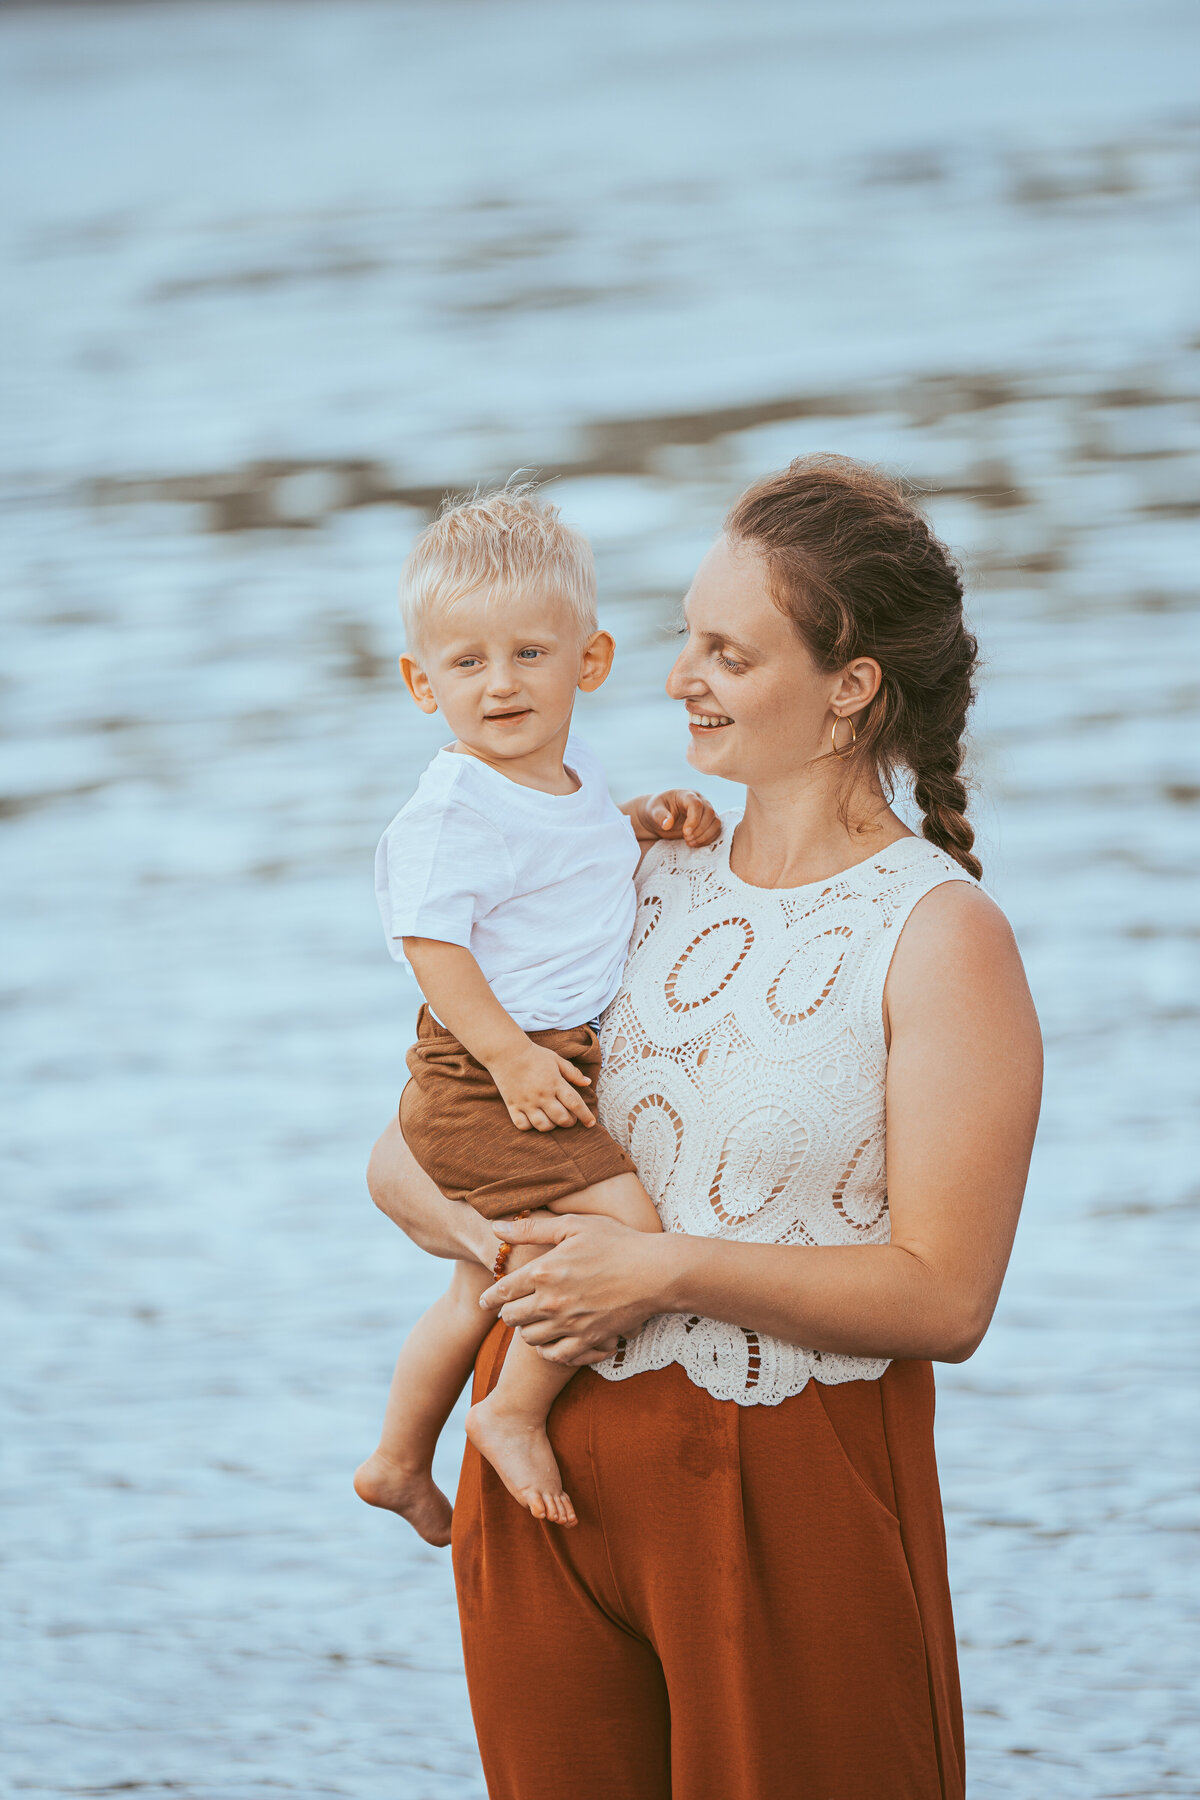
400, 1188
963, 1086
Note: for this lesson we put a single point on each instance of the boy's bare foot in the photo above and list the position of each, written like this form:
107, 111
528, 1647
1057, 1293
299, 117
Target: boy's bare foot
518, 1449
412, 1493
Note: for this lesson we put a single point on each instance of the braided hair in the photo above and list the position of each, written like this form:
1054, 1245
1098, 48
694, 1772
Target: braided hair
857, 569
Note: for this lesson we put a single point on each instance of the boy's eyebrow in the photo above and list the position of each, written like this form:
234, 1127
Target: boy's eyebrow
463, 646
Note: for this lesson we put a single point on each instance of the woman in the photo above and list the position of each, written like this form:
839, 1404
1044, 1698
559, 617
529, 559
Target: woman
755, 1603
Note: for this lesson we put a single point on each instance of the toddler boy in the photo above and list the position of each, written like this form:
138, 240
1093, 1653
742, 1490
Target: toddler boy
506, 884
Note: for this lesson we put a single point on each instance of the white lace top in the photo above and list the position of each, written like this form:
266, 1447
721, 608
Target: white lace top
744, 1064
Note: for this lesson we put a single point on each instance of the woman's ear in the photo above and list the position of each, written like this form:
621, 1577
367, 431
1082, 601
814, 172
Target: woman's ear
596, 661
857, 686
417, 683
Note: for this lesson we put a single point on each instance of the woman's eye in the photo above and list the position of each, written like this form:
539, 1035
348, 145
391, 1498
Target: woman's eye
733, 667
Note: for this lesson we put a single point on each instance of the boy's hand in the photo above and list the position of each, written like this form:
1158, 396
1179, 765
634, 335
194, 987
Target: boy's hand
538, 1089
680, 813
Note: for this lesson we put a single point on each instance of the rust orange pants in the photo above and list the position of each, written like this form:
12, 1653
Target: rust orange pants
754, 1605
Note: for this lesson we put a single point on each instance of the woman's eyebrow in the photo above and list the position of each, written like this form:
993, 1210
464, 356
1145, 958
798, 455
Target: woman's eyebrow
727, 637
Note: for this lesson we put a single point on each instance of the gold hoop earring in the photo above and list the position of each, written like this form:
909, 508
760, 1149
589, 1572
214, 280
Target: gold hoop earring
846, 749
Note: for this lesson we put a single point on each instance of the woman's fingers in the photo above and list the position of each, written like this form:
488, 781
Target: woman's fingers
538, 1228
573, 1352
530, 1320
504, 1293
589, 1287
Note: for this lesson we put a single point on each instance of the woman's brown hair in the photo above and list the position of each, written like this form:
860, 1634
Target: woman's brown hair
856, 568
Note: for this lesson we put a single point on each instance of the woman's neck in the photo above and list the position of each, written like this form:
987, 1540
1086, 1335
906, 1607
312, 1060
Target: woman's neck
806, 831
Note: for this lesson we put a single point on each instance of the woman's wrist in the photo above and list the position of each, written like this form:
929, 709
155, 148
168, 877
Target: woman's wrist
669, 1259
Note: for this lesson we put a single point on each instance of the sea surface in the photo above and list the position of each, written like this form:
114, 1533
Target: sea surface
277, 276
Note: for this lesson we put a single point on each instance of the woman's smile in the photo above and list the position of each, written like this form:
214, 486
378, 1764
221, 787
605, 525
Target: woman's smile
698, 721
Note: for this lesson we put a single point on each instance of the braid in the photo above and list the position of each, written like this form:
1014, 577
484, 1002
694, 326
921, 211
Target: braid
941, 794
858, 571
938, 711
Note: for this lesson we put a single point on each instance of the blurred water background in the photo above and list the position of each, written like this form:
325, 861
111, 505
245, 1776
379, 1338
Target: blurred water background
277, 276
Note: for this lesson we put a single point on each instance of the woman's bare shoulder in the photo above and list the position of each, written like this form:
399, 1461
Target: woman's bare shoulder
958, 909
957, 947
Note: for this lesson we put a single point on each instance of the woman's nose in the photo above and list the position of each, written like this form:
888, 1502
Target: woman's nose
682, 680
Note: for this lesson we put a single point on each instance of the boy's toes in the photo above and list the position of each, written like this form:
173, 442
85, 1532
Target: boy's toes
559, 1509
537, 1505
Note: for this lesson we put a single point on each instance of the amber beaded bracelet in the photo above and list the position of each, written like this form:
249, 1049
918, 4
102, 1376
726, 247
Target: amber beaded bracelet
505, 1250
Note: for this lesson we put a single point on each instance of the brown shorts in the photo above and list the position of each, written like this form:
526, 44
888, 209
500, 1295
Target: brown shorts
459, 1130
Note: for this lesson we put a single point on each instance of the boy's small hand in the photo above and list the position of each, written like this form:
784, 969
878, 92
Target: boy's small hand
680, 813
538, 1089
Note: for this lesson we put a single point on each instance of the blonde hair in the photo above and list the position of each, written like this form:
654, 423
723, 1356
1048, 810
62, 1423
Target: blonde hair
502, 542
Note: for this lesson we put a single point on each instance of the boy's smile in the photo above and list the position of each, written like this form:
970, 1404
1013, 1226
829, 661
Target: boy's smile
505, 674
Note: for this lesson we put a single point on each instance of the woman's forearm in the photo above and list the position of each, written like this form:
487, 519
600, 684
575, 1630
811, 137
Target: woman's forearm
598, 1281
870, 1300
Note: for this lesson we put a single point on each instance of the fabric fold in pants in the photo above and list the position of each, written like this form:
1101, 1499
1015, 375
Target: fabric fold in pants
754, 1605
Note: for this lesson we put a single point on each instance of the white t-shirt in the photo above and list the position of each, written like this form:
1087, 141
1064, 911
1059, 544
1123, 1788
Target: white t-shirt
538, 887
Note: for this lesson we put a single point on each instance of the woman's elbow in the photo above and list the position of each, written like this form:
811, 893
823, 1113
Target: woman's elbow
964, 1330
384, 1189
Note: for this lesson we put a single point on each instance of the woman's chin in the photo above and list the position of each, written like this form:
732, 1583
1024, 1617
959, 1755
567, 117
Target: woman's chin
705, 754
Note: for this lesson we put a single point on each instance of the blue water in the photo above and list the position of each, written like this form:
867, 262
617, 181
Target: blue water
278, 274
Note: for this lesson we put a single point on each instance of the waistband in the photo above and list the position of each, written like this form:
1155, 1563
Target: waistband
429, 1025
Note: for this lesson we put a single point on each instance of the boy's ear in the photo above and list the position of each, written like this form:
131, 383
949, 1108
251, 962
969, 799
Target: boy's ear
596, 661
417, 683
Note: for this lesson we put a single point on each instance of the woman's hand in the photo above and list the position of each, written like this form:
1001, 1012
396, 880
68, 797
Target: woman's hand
598, 1282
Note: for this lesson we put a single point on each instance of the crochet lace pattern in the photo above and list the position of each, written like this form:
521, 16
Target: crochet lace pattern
744, 1065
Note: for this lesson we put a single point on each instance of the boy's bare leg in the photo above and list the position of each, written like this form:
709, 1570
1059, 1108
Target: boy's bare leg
509, 1426
431, 1371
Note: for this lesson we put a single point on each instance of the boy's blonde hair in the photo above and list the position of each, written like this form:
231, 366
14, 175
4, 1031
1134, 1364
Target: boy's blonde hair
503, 541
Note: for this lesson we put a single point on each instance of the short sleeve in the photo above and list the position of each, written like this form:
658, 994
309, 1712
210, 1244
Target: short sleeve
437, 870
